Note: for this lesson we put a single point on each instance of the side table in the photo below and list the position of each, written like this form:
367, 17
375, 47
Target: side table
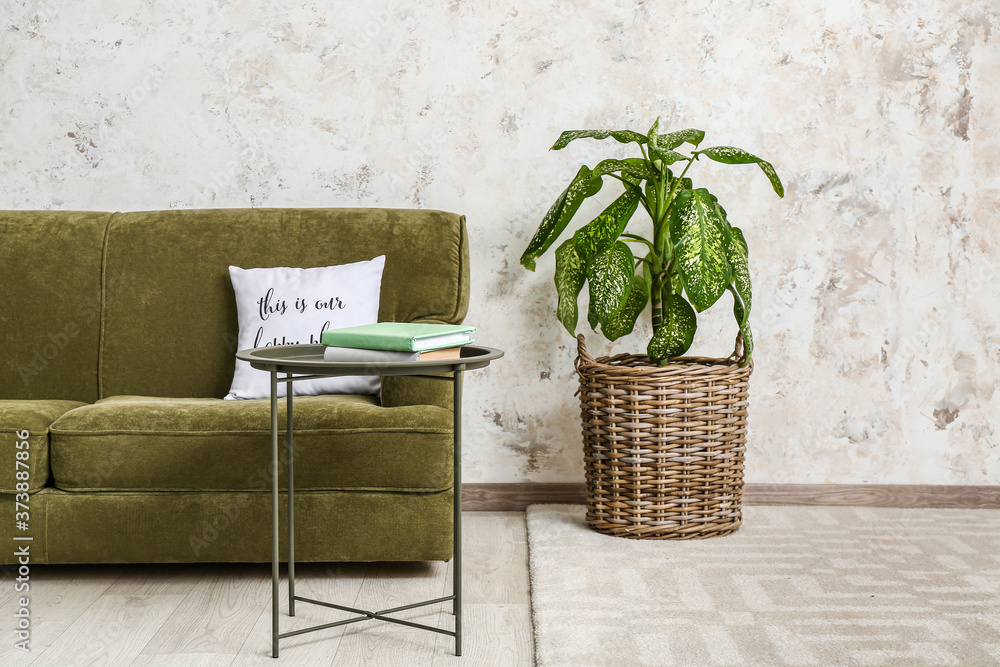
305, 362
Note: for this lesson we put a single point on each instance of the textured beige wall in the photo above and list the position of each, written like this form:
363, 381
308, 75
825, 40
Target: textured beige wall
878, 275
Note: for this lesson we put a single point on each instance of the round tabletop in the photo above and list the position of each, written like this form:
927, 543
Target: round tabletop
308, 360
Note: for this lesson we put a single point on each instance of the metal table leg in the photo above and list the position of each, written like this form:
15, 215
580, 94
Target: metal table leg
457, 503
291, 504
274, 514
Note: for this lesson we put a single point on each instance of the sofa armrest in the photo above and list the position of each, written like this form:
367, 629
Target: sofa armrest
399, 390
28, 421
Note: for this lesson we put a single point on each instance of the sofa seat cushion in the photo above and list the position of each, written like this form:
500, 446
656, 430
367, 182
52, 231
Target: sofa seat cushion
196, 444
35, 417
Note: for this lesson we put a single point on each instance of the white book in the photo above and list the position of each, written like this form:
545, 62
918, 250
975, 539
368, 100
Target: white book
372, 356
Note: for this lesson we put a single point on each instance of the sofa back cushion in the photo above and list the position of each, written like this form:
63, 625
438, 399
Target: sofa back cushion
50, 304
170, 323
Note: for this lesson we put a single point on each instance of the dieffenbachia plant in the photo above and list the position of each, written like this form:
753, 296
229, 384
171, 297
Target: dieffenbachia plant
693, 257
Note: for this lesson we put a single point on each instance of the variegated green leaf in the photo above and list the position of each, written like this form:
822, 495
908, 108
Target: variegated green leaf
623, 323
636, 176
685, 184
723, 215
601, 233
674, 336
621, 136
676, 284
742, 319
738, 235
675, 139
772, 176
653, 136
731, 155
700, 234
559, 215
637, 169
736, 253
570, 276
738, 311
667, 157
609, 276
747, 343
651, 196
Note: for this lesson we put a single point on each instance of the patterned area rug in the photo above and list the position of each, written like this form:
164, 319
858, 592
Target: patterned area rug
794, 586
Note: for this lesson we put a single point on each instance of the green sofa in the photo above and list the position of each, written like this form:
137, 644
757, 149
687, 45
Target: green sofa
118, 333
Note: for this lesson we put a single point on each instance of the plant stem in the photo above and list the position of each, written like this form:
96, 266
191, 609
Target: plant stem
656, 298
635, 238
645, 204
673, 190
665, 247
656, 291
661, 214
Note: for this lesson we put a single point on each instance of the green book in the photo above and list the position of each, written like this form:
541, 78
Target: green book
403, 336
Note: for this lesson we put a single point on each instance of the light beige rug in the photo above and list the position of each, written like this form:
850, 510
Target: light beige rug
794, 586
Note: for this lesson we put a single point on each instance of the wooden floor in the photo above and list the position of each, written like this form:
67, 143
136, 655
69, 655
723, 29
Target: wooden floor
219, 615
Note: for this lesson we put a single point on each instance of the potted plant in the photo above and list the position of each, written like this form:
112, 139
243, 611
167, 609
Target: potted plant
664, 435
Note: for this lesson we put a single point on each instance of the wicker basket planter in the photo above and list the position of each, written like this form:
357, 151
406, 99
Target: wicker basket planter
663, 445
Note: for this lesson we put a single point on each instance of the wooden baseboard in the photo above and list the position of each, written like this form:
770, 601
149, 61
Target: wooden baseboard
874, 495
516, 497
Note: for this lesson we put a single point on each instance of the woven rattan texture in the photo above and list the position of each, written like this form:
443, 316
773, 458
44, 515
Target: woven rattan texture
663, 445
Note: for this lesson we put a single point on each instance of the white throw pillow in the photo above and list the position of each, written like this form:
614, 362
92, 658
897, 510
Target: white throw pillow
286, 306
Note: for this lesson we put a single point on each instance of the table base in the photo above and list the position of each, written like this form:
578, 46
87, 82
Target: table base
362, 615
371, 616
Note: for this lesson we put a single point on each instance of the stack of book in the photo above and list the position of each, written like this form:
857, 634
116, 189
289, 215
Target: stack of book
396, 341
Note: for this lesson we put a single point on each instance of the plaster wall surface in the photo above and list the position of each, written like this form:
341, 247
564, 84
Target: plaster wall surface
877, 277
